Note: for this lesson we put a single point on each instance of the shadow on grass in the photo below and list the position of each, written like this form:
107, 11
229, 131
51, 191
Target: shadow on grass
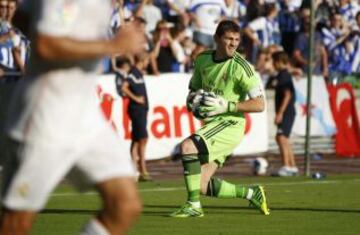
271, 208
69, 211
93, 212
149, 210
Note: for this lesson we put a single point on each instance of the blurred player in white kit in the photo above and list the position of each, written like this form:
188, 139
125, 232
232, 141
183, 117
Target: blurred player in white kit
55, 124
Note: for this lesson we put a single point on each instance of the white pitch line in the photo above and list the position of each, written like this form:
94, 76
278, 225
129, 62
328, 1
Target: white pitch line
183, 188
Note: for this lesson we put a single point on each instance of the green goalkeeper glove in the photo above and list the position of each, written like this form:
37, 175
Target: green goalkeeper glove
217, 105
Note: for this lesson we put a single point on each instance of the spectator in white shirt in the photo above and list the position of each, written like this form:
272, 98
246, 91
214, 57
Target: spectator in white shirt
264, 31
150, 13
206, 14
178, 11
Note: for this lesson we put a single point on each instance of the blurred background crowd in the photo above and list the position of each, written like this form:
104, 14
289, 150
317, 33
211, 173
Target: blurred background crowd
178, 30
14, 45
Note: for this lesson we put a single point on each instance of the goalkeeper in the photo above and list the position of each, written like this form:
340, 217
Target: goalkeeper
218, 87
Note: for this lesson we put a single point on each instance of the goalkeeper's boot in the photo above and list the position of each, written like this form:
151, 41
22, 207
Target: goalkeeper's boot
186, 211
258, 200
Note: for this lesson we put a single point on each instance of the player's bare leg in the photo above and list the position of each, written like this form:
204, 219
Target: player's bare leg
144, 174
281, 141
289, 166
290, 154
122, 204
135, 156
207, 171
134, 151
16, 222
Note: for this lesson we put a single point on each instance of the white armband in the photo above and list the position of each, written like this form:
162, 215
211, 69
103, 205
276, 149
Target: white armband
255, 92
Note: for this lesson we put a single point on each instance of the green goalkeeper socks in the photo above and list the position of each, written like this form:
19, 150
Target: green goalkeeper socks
222, 189
192, 175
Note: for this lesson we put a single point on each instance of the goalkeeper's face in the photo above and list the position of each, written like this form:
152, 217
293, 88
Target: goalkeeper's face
227, 43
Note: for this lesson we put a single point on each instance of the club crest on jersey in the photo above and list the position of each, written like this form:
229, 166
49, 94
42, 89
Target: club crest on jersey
67, 11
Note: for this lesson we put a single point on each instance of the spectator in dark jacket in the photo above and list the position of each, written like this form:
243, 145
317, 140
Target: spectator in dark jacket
134, 88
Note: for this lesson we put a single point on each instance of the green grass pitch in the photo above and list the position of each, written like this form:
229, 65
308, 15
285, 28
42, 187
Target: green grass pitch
298, 206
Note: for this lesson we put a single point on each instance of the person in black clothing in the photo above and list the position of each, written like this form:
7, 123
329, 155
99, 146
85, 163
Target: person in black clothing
163, 54
285, 112
134, 88
121, 69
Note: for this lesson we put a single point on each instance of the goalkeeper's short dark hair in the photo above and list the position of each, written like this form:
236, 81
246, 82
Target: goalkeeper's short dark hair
226, 26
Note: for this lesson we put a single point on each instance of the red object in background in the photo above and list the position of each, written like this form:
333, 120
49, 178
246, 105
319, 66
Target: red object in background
247, 123
106, 105
343, 107
126, 119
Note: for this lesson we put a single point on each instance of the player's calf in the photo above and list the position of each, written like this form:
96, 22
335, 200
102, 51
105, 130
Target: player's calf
16, 222
122, 205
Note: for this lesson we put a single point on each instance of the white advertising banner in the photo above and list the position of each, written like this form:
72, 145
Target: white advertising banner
322, 122
168, 120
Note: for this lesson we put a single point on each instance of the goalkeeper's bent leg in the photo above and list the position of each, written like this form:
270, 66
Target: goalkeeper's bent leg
192, 175
222, 189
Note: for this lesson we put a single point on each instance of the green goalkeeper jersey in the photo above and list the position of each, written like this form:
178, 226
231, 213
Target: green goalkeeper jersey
232, 78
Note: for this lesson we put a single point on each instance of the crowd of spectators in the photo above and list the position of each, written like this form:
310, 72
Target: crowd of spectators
177, 30
14, 45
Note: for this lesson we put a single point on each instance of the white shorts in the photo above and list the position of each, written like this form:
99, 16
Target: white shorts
59, 129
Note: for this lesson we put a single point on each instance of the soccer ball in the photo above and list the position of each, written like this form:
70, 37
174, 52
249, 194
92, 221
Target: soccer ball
260, 166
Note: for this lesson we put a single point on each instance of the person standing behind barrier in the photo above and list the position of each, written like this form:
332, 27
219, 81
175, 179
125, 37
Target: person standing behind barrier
3, 22
21, 45
150, 13
55, 124
4, 36
285, 112
205, 15
264, 31
165, 49
301, 49
14, 46
134, 88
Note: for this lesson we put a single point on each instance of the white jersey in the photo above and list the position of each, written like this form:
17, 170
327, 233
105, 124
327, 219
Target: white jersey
182, 5
355, 65
268, 32
233, 11
45, 83
115, 21
6, 54
77, 19
209, 13
349, 12
152, 15
60, 18
55, 116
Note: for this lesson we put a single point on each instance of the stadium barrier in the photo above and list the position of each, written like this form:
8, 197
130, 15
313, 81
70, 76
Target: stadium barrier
168, 121
322, 123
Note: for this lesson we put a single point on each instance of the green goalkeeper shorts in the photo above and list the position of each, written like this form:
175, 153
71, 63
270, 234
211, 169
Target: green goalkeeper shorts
221, 136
